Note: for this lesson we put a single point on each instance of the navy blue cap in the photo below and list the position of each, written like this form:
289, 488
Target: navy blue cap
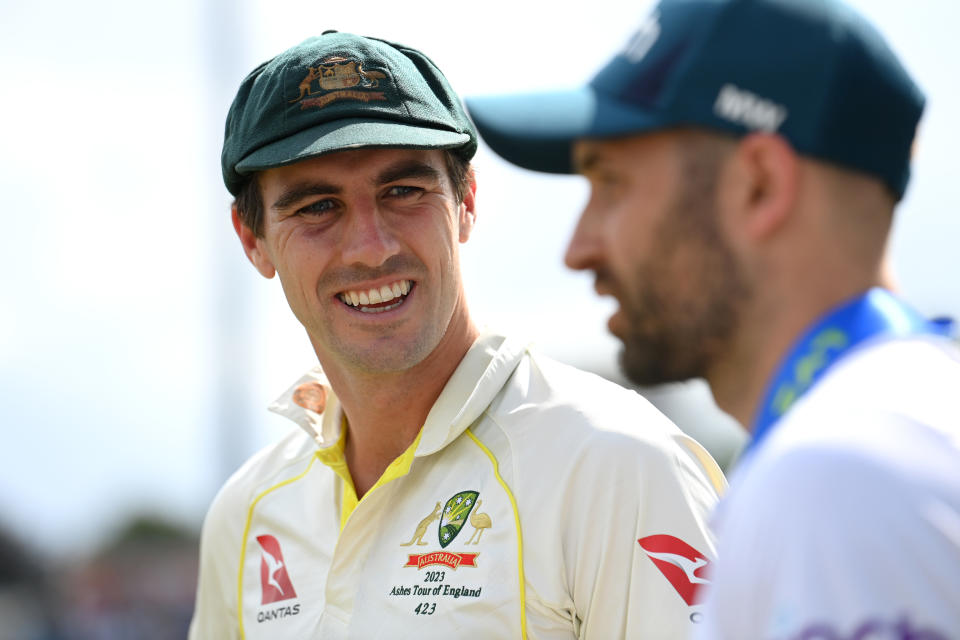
813, 71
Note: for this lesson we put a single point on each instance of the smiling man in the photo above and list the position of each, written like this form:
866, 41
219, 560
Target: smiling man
444, 481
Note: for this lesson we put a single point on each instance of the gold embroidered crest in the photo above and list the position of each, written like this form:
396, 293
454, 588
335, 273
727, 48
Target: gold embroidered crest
338, 78
422, 527
452, 516
480, 522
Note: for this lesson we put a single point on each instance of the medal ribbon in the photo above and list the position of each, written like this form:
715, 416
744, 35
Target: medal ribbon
875, 313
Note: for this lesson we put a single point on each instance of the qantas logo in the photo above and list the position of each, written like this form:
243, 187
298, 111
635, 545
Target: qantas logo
679, 563
274, 580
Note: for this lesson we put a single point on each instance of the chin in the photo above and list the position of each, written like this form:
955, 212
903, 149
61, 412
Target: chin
649, 365
386, 355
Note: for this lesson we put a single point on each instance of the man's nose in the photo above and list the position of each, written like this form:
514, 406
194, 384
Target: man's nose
368, 239
583, 246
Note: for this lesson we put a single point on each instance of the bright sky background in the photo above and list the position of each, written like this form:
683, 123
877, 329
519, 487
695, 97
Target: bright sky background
138, 349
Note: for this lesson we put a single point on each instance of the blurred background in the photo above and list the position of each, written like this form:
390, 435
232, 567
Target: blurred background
138, 349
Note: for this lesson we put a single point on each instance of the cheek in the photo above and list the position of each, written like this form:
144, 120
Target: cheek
434, 237
627, 232
300, 267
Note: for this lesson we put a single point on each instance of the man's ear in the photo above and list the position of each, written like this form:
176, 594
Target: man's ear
761, 184
252, 245
468, 211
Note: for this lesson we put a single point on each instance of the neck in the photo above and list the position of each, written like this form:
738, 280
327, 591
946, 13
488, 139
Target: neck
827, 249
385, 411
768, 331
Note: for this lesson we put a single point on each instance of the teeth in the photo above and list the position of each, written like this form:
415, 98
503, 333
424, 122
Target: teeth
381, 309
385, 293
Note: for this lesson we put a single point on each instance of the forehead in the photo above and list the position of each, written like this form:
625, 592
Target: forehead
352, 164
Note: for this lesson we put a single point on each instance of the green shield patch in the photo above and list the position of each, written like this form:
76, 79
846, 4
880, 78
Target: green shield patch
455, 514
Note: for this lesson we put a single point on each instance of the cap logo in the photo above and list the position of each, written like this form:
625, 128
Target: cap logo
338, 78
643, 40
748, 109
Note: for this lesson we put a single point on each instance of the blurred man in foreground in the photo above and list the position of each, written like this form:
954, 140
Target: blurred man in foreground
744, 159
445, 482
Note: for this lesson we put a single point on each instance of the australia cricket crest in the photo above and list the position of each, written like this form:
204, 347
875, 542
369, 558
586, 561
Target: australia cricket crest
337, 78
455, 514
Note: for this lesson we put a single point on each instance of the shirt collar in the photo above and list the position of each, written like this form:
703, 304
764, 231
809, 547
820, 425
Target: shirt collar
475, 382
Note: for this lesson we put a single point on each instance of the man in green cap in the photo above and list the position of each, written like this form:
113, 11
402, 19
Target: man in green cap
444, 481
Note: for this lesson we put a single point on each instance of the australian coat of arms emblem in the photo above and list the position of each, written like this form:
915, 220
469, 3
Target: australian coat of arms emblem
461, 508
338, 78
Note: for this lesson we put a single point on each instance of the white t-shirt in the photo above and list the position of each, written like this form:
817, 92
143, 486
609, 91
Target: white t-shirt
844, 523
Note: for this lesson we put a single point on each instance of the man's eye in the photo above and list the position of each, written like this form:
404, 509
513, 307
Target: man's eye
604, 183
319, 206
403, 190
606, 179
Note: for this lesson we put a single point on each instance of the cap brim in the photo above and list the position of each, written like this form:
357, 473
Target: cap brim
343, 135
537, 131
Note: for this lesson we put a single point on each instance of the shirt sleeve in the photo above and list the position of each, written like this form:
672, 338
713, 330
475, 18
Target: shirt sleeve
215, 612
830, 543
647, 547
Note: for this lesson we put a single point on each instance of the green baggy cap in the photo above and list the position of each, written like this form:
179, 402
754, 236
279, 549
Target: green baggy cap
340, 91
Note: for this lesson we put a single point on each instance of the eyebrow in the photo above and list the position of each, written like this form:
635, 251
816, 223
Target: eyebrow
403, 170
406, 169
584, 162
299, 190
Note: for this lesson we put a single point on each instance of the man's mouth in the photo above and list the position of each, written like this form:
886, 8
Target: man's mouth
378, 299
603, 284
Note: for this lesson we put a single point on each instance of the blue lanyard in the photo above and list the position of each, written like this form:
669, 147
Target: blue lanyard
874, 313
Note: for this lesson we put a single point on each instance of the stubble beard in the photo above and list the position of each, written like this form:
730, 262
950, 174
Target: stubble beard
674, 337
684, 307
387, 356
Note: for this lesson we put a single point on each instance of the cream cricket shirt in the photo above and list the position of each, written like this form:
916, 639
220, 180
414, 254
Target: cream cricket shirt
539, 501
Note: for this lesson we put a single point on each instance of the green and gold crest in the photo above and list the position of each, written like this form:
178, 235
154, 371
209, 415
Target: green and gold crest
455, 514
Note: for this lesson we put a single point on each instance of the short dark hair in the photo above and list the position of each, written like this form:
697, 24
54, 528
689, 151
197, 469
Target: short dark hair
249, 200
